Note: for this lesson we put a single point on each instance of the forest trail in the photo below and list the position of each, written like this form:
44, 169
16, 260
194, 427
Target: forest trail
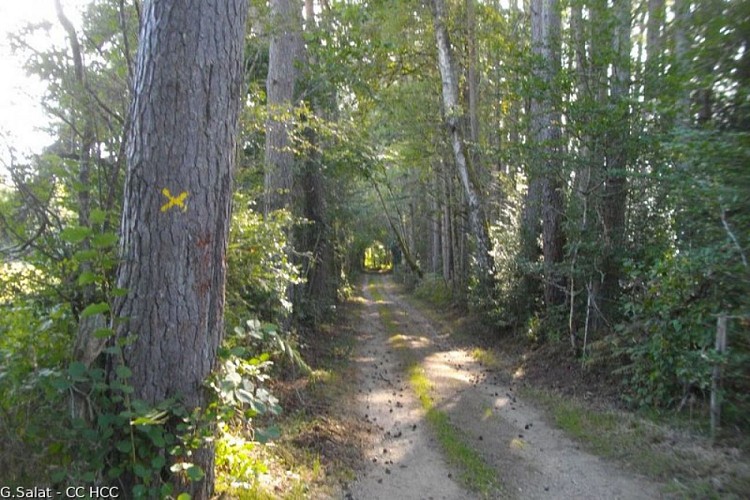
405, 461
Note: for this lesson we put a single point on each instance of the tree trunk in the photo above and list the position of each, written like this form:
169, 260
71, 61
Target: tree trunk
175, 222
446, 232
435, 218
473, 83
545, 132
453, 117
285, 55
615, 187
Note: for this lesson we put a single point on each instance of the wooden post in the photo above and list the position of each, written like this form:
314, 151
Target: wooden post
721, 347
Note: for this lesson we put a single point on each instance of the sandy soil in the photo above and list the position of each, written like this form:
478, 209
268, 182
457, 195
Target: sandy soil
532, 459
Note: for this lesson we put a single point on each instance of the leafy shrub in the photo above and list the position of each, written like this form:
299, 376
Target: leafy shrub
669, 336
434, 290
260, 271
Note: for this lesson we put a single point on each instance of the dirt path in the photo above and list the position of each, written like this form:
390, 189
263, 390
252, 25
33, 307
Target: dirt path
532, 459
403, 461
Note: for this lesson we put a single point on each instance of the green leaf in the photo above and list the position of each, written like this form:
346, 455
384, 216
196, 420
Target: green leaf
76, 370
139, 491
195, 473
123, 372
85, 255
103, 333
61, 384
98, 216
158, 462
141, 471
123, 446
267, 434
115, 350
154, 417
75, 234
104, 240
184, 496
119, 292
93, 309
87, 278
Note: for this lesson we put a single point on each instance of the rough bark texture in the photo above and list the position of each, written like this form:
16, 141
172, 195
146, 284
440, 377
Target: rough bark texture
187, 96
285, 54
453, 116
545, 123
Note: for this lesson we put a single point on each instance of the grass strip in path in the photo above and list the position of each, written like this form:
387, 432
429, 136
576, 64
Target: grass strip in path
473, 472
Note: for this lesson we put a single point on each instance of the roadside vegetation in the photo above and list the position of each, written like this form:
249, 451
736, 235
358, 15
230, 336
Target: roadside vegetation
566, 183
673, 448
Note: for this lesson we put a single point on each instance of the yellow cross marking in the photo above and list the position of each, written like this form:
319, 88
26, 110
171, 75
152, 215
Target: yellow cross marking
174, 201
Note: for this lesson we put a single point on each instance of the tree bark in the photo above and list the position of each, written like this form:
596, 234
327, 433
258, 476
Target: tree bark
285, 57
546, 133
175, 222
453, 117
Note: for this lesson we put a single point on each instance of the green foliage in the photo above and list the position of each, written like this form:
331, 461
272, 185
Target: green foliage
671, 326
260, 269
377, 258
434, 290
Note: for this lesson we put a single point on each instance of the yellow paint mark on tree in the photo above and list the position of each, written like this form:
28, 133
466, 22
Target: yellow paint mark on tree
174, 201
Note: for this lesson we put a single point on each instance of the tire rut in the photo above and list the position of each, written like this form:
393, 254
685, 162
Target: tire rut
403, 460
533, 460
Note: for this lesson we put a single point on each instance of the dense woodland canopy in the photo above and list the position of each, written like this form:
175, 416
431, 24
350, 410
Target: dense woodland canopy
576, 172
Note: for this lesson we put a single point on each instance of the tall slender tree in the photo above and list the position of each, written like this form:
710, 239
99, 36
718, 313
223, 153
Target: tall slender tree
545, 132
285, 58
175, 222
454, 117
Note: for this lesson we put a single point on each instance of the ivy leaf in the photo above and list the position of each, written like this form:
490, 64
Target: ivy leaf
123, 371
76, 370
139, 491
195, 473
267, 434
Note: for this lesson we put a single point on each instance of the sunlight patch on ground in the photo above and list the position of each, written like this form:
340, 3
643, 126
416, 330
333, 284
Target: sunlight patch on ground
363, 359
401, 341
517, 444
501, 402
440, 369
487, 414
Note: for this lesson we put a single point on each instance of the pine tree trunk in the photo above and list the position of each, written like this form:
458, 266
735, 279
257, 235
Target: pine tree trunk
545, 131
285, 56
175, 222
